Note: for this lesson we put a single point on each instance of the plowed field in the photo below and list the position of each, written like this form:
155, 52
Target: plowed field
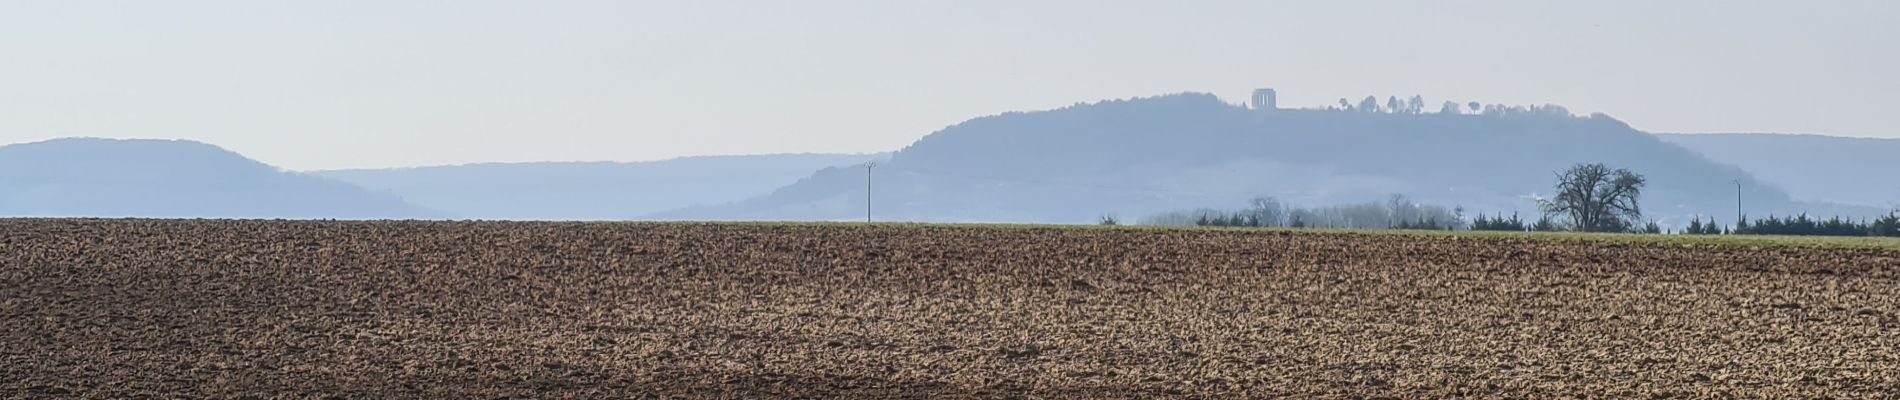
111, 308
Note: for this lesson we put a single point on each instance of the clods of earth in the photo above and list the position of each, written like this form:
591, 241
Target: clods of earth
208, 308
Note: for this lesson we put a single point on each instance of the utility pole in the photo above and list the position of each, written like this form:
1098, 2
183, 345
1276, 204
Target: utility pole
867, 190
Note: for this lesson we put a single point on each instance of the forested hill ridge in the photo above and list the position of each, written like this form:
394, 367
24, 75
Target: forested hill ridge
85, 177
1816, 167
1146, 155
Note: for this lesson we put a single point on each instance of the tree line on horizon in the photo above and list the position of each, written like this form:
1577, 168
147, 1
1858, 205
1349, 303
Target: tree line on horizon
1801, 225
1397, 212
1416, 105
1590, 198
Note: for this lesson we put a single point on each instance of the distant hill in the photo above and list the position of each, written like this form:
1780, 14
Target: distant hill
591, 190
1827, 168
1142, 156
168, 178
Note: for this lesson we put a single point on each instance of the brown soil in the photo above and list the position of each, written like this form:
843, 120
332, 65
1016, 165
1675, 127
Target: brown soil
124, 308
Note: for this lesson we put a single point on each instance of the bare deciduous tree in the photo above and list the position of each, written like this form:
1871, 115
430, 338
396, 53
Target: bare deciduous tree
1595, 198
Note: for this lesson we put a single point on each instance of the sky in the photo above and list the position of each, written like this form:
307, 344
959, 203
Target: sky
358, 84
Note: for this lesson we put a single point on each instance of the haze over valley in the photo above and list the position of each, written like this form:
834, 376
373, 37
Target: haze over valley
1129, 158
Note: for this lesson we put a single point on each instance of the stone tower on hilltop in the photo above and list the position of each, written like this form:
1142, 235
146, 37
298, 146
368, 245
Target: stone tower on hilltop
1265, 99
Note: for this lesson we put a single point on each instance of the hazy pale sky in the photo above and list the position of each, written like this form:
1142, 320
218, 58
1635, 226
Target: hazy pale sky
339, 84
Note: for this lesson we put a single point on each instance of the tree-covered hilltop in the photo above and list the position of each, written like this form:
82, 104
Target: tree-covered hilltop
1147, 155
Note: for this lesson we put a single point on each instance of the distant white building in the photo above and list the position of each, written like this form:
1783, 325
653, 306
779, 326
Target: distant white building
1265, 100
